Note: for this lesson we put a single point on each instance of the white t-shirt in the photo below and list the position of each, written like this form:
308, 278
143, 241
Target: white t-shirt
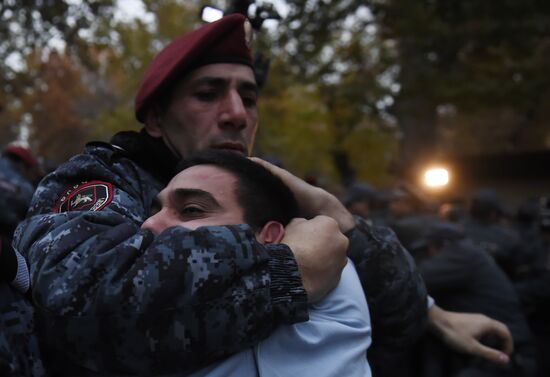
333, 342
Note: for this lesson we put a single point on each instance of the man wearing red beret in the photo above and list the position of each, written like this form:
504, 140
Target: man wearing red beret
115, 299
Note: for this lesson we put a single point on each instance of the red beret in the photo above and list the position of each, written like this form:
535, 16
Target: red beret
222, 41
23, 153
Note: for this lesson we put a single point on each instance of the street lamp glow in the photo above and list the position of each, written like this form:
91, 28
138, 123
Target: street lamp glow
437, 177
211, 14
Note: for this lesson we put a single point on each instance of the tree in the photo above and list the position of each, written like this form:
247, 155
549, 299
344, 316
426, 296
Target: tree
124, 64
82, 86
55, 107
28, 32
476, 57
425, 57
329, 46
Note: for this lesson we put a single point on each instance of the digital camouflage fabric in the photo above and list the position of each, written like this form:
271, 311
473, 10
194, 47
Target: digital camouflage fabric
19, 348
112, 298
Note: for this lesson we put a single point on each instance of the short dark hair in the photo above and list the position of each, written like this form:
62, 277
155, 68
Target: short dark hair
262, 195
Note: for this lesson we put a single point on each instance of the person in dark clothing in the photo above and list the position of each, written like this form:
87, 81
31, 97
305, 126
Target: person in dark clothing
116, 299
360, 198
533, 284
533, 246
407, 215
19, 351
484, 227
463, 278
18, 167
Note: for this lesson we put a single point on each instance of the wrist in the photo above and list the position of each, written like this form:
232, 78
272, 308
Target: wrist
334, 208
438, 322
288, 296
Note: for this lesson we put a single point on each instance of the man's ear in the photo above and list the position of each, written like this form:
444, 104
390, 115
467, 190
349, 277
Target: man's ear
271, 232
152, 123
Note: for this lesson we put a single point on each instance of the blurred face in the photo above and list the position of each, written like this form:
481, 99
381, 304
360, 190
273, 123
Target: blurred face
214, 106
198, 196
360, 207
401, 207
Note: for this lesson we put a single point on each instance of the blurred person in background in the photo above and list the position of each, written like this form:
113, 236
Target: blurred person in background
452, 212
19, 172
359, 199
485, 227
408, 214
19, 350
463, 278
533, 283
533, 248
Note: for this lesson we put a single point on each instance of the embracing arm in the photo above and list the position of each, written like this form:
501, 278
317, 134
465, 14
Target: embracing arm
179, 300
113, 297
395, 291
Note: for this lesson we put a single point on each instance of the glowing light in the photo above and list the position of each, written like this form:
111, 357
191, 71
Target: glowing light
436, 177
211, 14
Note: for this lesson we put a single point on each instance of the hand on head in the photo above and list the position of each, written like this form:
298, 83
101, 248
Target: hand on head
312, 200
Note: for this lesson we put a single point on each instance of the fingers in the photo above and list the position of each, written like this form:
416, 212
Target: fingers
490, 354
312, 200
281, 173
503, 333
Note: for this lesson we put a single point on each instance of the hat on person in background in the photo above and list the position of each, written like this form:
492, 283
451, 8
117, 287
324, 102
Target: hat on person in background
23, 154
485, 201
438, 232
359, 191
224, 41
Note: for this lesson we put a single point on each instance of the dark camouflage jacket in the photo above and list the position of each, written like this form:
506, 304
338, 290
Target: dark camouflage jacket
112, 298
19, 349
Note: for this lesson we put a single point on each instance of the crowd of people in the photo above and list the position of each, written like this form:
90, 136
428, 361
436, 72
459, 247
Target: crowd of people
475, 255
166, 252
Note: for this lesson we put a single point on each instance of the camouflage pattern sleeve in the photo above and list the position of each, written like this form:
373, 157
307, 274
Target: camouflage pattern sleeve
395, 291
19, 350
112, 297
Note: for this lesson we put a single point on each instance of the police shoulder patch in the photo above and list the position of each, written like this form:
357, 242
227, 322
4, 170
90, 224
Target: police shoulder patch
86, 196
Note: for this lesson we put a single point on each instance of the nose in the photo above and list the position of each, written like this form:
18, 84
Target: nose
233, 112
155, 223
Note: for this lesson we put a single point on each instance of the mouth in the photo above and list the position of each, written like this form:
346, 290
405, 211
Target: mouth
231, 147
